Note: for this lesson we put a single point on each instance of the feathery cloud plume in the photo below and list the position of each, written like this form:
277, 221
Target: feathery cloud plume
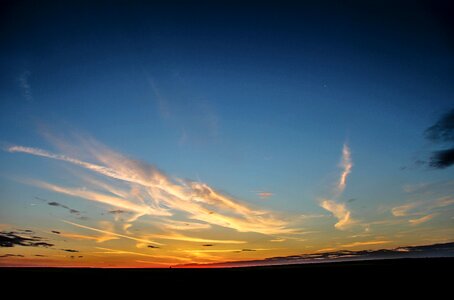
157, 194
340, 210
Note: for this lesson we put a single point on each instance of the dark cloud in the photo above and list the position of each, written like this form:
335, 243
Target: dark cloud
11, 255
70, 250
118, 212
55, 231
442, 132
39, 255
57, 204
442, 159
11, 239
71, 210
208, 245
153, 247
247, 250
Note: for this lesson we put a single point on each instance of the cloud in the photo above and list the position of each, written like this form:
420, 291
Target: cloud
70, 250
346, 164
442, 159
157, 194
340, 211
181, 225
71, 210
199, 126
443, 129
122, 252
12, 239
264, 195
98, 239
11, 255
366, 243
179, 237
277, 240
421, 207
55, 231
110, 233
422, 219
442, 132
24, 84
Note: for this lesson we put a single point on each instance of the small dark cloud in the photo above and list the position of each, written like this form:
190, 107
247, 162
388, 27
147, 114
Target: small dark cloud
118, 212
11, 255
55, 231
57, 204
152, 247
351, 200
40, 255
71, 210
442, 159
70, 250
247, 250
442, 132
11, 239
208, 245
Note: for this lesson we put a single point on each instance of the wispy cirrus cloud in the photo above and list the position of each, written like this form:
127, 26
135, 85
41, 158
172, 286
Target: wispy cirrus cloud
114, 234
24, 84
346, 165
125, 252
180, 237
340, 210
156, 194
421, 220
417, 208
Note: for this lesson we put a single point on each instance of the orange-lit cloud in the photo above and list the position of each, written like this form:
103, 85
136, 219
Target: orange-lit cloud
154, 193
422, 219
120, 252
340, 211
113, 233
264, 195
421, 207
367, 243
179, 237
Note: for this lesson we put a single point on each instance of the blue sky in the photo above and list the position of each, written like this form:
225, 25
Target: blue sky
247, 99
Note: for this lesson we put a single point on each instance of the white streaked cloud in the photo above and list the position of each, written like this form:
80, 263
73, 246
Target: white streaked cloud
153, 193
346, 165
340, 210
111, 233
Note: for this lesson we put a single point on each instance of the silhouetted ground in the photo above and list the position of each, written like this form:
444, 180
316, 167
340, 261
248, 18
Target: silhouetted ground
428, 276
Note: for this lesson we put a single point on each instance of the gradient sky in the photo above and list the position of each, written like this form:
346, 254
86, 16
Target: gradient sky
152, 135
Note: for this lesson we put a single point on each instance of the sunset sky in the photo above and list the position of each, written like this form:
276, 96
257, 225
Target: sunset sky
152, 135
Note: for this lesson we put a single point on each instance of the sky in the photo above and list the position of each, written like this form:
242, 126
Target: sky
138, 134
